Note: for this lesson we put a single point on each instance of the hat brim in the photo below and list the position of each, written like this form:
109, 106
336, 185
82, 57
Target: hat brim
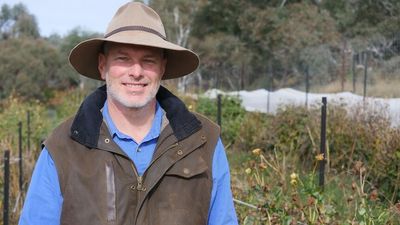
180, 61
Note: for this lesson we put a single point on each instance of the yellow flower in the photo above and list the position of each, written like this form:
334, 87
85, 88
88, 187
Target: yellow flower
248, 171
319, 157
256, 151
294, 176
293, 179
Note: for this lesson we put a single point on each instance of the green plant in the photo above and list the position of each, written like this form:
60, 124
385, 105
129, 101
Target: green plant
232, 115
279, 196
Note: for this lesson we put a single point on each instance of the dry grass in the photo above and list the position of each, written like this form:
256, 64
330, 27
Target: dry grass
377, 88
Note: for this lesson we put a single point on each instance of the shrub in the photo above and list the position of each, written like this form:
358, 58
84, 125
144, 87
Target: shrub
232, 115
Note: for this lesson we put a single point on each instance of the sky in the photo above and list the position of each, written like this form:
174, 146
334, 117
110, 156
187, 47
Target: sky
61, 16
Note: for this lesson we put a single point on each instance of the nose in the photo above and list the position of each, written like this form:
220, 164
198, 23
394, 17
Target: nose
135, 70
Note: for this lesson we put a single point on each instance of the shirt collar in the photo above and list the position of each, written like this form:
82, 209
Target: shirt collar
154, 132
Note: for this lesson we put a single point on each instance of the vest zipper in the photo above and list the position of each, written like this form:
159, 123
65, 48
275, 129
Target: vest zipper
139, 186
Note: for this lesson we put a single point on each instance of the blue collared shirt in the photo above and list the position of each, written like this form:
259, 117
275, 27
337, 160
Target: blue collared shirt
43, 201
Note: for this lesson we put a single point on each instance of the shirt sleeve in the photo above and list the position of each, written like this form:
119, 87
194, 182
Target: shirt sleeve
44, 199
222, 210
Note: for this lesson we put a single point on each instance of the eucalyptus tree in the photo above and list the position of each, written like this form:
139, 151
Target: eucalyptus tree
16, 22
178, 18
27, 68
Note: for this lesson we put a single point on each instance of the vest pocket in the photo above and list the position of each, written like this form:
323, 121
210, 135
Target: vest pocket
187, 168
111, 195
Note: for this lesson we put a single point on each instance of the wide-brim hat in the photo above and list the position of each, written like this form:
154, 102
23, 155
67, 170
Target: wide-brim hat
134, 23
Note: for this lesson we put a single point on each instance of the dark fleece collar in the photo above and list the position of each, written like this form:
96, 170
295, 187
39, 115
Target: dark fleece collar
85, 128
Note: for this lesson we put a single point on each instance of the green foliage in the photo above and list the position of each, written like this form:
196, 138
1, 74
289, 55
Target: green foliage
34, 69
242, 43
232, 115
284, 195
65, 75
288, 38
17, 22
66, 103
14, 111
43, 118
279, 176
177, 16
27, 67
225, 61
218, 17
372, 16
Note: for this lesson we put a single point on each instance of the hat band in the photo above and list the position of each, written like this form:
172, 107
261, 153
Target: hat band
141, 28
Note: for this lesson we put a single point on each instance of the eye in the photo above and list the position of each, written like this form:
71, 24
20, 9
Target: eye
121, 58
149, 61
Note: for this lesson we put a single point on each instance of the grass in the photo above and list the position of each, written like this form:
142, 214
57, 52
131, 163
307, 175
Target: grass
272, 194
381, 88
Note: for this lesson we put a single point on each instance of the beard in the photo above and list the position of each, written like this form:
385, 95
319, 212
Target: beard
124, 99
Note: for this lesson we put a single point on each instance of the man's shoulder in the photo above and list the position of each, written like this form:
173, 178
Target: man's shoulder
64, 126
61, 131
206, 122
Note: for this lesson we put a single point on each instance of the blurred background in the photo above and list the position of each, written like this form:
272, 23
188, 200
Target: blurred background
276, 159
314, 45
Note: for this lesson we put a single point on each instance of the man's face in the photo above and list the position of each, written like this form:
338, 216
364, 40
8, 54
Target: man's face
132, 73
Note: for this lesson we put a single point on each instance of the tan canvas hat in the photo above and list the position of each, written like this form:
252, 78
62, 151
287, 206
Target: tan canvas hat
134, 23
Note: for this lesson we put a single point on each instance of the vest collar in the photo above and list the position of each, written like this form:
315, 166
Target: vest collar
85, 128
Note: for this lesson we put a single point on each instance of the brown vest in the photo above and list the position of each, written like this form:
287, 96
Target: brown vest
100, 184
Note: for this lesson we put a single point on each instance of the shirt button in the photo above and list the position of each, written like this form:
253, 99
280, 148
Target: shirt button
138, 149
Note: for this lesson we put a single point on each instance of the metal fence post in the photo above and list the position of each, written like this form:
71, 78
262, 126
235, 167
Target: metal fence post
270, 80
323, 144
20, 156
365, 74
219, 110
28, 138
353, 71
6, 199
307, 84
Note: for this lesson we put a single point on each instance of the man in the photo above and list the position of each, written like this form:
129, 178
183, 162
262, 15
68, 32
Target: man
133, 153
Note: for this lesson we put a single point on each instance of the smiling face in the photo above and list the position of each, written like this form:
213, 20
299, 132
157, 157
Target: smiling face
132, 73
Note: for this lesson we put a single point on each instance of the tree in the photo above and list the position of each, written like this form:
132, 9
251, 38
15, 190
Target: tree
271, 36
65, 75
17, 22
178, 18
225, 61
28, 68
283, 34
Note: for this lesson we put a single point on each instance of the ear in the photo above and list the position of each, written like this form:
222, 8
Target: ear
102, 62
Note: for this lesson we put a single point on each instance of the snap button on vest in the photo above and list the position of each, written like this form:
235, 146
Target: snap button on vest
179, 152
107, 140
186, 171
